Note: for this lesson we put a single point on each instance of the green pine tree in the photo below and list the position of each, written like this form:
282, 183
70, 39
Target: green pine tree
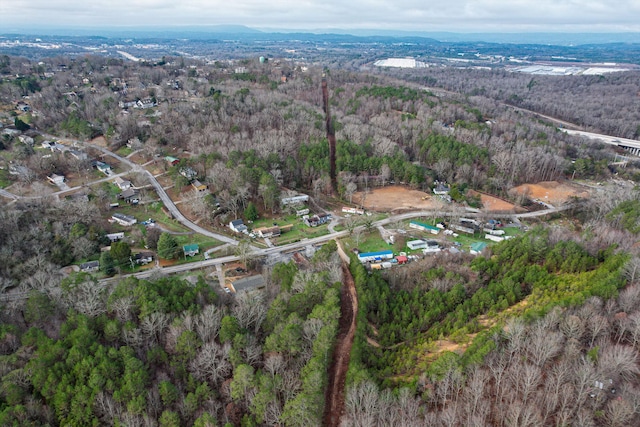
168, 246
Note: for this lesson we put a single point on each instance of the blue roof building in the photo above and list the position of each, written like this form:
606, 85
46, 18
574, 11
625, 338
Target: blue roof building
375, 256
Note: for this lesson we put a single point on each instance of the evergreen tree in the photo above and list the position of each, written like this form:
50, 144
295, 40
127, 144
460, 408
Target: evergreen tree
168, 246
121, 253
107, 265
251, 212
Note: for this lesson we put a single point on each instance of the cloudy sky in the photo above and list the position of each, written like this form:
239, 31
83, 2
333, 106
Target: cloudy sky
412, 15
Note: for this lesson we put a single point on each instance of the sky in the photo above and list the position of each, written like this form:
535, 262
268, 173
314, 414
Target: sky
316, 15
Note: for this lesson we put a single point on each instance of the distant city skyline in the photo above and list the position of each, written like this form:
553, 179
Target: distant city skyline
492, 16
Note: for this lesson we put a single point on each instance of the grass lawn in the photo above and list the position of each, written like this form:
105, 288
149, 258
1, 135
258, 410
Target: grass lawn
203, 242
151, 210
369, 242
299, 231
124, 151
4, 178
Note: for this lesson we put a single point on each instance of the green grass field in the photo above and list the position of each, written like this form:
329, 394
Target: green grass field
299, 231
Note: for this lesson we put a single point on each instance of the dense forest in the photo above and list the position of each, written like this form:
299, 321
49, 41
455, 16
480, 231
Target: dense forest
167, 352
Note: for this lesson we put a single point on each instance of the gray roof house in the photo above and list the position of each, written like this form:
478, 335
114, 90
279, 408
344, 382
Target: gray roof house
248, 283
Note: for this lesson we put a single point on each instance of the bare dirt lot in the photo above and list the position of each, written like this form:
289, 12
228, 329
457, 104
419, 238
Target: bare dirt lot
495, 204
101, 141
553, 192
395, 197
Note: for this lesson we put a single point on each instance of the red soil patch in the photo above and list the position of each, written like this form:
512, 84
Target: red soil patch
492, 203
334, 396
385, 199
101, 141
550, 191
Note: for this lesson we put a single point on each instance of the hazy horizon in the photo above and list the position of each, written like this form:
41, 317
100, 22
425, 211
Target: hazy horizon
457, 16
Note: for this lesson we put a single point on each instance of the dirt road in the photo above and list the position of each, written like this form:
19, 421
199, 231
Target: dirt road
334, 398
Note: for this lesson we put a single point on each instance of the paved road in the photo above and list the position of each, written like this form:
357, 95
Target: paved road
611, 140
169, 204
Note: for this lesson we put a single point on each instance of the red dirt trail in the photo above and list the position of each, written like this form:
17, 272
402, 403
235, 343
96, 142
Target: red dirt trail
334, 397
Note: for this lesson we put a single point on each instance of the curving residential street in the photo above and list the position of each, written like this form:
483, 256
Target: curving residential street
170, 205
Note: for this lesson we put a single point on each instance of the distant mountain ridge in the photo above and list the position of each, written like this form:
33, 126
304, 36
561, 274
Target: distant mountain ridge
244, 32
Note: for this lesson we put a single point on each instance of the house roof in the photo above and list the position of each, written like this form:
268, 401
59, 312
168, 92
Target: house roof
367, 254
478, 246
123, 217
427, 226
248, 283
237, 222
90, 264
191, 248
130, 192
143, 255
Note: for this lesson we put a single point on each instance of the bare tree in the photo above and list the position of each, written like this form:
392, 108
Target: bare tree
208, 323
250, 310
212, 363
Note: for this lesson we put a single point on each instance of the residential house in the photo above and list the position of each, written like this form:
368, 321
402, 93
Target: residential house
295, 200
90, 267
133, 143
129, 195
477, 248
191, 250
441, 189
238, 226
78, 155
266, 232
424, 227
56, 179
26, 140
346, 209
54, 146
416, 244
432, 246
198, 186
115, 237
126, 104
317, 220
122, 219
122, 183
188, 173
172, 160
462, 228
145, 103
143, 258
103, 167
248, 284
375, 256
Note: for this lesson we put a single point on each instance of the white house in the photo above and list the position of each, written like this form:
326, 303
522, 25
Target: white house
122, 183
123, 219
416, 244
295, 200
114, 237
56, 179
238, 226
424, 227
89, 267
